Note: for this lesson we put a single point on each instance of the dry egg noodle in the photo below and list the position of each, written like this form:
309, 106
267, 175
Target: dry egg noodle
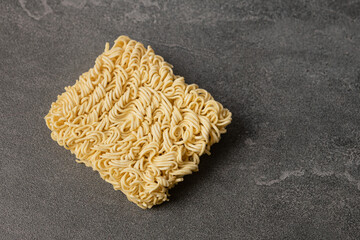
136, 123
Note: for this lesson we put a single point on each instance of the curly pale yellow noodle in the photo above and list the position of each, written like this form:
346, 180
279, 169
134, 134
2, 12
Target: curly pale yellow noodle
136, 123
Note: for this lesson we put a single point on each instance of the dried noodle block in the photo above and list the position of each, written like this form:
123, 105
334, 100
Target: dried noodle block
136, 123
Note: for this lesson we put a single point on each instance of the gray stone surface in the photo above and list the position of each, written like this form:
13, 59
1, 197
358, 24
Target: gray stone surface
289, 166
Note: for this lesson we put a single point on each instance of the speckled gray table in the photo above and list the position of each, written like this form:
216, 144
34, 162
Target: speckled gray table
289, 166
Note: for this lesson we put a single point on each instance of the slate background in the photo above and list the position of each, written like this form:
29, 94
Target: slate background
289, 166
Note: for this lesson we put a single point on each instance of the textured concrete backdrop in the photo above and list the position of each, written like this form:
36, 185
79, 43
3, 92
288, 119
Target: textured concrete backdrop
289, 166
